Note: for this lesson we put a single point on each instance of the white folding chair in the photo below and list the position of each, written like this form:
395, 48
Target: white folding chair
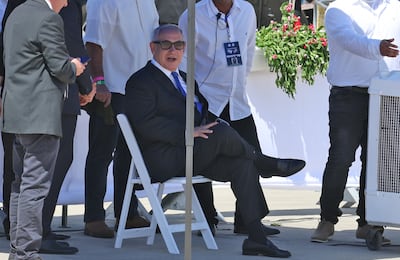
138, 174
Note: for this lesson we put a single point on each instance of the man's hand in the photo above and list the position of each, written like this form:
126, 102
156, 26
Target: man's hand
388, 49
103, 95
204, 130
79, 66
85, 99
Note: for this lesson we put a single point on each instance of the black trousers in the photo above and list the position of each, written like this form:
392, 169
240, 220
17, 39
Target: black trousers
226, 156
63, 163
106, 143
8, 173
348, 126
246, 128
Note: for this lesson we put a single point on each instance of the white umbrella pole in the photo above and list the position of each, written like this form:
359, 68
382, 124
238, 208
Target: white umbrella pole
189, 130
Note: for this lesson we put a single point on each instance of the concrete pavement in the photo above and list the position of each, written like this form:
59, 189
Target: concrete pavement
293, 211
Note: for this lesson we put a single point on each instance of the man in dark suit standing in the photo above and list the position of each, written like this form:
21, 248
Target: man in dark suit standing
38, 71
155, 107
79, 93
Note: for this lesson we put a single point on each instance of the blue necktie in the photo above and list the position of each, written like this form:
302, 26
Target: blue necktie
178, 84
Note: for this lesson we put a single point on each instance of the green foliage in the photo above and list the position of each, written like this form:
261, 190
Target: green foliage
291, 47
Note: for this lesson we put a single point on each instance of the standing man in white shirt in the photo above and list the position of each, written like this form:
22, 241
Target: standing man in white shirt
361, 36
225, 33
117, 38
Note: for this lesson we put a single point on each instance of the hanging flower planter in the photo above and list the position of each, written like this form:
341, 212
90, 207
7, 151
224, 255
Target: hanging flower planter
293, 50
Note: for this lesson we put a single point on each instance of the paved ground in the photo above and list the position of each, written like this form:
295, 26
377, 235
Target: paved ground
294, 211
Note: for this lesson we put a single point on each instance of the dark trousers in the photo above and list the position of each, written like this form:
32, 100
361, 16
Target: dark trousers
246, 128
8, 174
63, 163
105, 140
226, 156
348, 125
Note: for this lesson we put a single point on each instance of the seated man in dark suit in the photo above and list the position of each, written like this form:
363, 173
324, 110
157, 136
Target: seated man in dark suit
155, 107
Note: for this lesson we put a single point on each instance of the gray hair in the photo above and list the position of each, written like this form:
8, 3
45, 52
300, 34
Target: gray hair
165, 28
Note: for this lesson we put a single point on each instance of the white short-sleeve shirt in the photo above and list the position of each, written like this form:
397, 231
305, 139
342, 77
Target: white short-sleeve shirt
123, 28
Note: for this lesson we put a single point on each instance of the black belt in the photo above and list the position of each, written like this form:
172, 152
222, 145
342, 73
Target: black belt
363, 90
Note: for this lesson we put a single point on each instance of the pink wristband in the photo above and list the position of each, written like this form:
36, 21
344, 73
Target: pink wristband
95, 79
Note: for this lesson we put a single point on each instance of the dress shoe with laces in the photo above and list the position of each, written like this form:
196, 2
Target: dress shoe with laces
134, 222
57, 248
242, 230
250, 247
98, 229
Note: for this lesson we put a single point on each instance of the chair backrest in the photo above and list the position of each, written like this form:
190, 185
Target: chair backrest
134, 148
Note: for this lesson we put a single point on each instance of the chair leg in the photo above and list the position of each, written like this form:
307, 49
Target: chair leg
124, 213
158, 214
200, 218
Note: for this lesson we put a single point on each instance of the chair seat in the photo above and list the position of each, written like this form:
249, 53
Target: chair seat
182, 180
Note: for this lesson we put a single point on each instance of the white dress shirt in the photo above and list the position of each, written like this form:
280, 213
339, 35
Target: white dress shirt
123, 28
218, 82
354, 30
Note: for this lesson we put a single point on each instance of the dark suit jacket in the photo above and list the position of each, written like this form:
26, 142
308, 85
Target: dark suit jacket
156, 110
73, 21
38, 70
11, 5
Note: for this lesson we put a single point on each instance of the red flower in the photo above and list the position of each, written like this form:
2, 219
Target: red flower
289, 8
297, 24
274, 57
324, 42
285, 27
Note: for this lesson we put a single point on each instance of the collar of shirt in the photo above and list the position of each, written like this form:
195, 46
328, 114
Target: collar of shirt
49, 4
376, 5
168, 73
213, 10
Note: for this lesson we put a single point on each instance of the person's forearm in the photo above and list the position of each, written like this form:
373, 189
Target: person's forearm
96, 59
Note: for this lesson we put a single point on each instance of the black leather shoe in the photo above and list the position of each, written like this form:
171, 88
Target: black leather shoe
250, 247
58, 248
55, 236
267, 230
284, 168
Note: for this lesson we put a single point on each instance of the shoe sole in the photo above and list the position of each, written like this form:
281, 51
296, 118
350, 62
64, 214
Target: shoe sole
88, 233
384, 243
319, 240
49, 252
262, 254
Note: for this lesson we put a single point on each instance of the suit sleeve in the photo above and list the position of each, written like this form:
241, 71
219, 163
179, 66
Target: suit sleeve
55, 54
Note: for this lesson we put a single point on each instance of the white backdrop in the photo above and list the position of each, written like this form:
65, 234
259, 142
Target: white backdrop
287, 128
293, 128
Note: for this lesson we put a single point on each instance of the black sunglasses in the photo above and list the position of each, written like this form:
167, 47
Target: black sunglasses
166, 45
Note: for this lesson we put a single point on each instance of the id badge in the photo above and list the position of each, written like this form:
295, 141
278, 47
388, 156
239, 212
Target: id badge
232, 53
